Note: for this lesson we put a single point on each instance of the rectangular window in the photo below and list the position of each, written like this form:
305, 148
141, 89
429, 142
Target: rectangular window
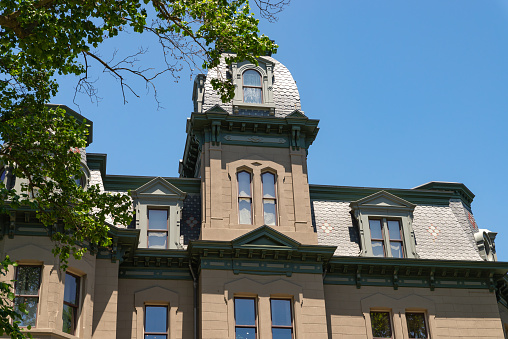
71, 303
282, 319
244, 198
416, 325
28, 281
376, 236
269, 200
396, 246
245, 318
157, 228
381, 325
385, 232
156, 322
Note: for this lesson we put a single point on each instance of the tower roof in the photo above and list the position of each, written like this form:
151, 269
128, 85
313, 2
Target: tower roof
285, 96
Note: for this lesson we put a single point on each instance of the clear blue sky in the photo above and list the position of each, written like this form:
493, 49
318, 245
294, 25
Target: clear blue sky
407, 92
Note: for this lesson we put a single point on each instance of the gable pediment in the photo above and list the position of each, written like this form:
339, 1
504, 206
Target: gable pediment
216, 109
159, 187
382, 199
265, 237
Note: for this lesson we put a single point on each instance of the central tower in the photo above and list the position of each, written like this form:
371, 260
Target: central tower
251, 153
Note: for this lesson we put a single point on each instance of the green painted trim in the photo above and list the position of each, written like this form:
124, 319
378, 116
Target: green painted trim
456, 187
128, 182
263, 267
154, 274
432, 274
97, 161
415, 196
81, 119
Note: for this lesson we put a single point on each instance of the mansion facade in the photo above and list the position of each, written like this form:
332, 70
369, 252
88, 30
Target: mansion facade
240, 245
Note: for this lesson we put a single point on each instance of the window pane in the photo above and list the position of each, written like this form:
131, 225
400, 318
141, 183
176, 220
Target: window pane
2, 174
377, 249
30, 306
157, 239
381, 327
375, 229
269, 212
251, 78
28, 279
394, 229
252, 95
245, 210
244, 184
281, 333
268, 185
281, 312
158, 219
416, 325
67, 317
245, 333
156, 318
396, 248
155, 336
71, 288
245, 312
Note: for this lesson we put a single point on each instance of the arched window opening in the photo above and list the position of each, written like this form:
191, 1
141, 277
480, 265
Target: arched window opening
269, 199
252, 90
244, 197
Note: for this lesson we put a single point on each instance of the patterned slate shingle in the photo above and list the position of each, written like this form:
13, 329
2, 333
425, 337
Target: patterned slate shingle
285, 91
438, 232
334, 227
190, 223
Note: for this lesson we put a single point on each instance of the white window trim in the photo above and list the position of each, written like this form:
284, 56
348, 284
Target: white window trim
385, 205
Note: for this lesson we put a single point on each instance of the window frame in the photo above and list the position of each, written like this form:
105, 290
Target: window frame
255, 327
145, 333
425, 322
391, 323
250, 86
75, 307
385, 232
251, 177
16, 295
291, 314
148, 230
274, 199
385, 205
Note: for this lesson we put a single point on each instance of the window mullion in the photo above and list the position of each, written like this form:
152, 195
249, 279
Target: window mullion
386, 238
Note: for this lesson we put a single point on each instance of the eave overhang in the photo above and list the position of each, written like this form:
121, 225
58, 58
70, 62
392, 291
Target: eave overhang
396, 272
218, 127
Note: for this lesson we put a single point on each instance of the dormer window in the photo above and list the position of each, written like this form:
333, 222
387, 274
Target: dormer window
252, 90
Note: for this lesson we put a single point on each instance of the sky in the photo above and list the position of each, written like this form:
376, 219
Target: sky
406, 92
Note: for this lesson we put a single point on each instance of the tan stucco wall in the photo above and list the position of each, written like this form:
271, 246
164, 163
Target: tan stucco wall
220, 190
30, 250
503, 313
105, 299
134, 294
451, 313
219, 288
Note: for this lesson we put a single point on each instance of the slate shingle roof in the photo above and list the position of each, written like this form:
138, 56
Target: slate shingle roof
438, 231
285, 91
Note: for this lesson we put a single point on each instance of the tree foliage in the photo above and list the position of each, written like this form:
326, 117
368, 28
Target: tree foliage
40, 39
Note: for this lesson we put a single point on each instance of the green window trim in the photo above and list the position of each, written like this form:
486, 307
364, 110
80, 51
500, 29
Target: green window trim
387, 208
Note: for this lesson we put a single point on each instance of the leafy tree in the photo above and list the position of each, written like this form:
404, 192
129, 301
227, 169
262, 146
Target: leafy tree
40, 39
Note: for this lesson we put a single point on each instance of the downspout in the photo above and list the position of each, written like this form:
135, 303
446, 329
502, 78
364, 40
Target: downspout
195, 284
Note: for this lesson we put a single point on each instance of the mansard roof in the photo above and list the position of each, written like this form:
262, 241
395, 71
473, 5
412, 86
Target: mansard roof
285, 92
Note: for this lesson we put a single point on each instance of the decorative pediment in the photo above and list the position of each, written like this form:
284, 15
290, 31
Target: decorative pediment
216, 109
296, 114
158, 187
382, 199
265, 237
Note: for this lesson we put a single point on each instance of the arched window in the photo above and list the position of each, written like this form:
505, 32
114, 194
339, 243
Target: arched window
252, 90
269, 199
244, 198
